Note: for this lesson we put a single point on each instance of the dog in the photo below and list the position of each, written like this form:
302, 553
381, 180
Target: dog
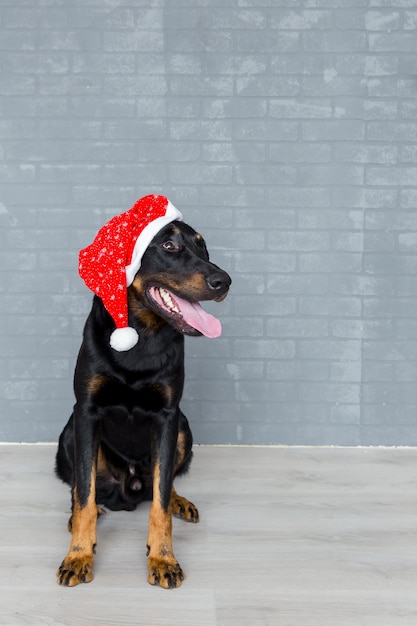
127, 438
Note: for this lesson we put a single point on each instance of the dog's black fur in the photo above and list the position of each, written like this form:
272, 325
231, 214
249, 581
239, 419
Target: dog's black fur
127, 438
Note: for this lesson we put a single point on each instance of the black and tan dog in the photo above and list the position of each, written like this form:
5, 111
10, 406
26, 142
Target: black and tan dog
127, 438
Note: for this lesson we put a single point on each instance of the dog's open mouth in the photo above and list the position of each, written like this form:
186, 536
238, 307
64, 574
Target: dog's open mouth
187, 316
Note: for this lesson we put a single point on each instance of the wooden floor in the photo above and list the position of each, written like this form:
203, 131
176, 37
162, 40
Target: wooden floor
288, 537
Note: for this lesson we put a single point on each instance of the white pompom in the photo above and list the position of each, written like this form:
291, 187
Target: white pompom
123, 339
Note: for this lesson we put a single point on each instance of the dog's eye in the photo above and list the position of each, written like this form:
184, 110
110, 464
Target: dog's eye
171, 246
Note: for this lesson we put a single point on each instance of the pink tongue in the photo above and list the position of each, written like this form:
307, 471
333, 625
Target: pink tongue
198, 318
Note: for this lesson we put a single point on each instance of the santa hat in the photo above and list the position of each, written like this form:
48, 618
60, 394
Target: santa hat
108, 265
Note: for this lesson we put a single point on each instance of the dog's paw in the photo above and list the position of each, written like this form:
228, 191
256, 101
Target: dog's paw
182, 508
75, 570
165, 574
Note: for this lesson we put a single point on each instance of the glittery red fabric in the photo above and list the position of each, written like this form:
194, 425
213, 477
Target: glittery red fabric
102, 265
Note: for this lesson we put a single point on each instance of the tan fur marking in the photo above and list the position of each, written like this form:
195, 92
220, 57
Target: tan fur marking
163, 567
101, 462
146, 317
183, 508
180, 450
96, 383
77, 567
166, 391
196, 283
160, 522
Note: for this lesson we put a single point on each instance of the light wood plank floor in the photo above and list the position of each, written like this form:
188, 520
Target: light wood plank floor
288, 537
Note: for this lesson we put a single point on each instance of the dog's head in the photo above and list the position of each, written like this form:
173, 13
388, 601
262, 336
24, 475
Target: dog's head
174, 276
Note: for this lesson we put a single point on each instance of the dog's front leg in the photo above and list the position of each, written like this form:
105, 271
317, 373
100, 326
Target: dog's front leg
77, 567
164, 570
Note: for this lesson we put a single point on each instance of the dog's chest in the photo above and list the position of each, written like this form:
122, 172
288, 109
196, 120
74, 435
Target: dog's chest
132, 400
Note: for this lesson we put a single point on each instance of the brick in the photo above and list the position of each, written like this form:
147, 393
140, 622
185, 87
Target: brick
331, 262
123, 174
288, 20
297, 327
216, 41
245, 370
138, 129
264, 349
334, 41
180, 107
392, 131
307, 371
243, 326
367, 329
62, 85
113, 63
334, 130
331, 307
138, 41
286, 152
15, 40
398, 176
391, 86
28, 17
235, 65
228, 18
347, 242
384, 21
336, 349
257, 261
199, 85
32, 63
352, 152
200, 130
330, 84
300, 109
384, 263
225, 107
322, 175
267, 41
262, 174
143, 85
385, 307
218, 152
214, 174
85, 173
17, 173
392, 42
267, 86
345, 372
77, 129
330, 392
69, 40
364, 198
271, 306
19, 390
297, 284
299, 198
38, 368
297, 240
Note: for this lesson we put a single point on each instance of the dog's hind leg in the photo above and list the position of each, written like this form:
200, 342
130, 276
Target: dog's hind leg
183, 508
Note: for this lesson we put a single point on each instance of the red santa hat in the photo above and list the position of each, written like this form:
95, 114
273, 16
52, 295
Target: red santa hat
108, 265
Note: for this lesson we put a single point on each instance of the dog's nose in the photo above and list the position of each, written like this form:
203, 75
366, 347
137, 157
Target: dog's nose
219, 281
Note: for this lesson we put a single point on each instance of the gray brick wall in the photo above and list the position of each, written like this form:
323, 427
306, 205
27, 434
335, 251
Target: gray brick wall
286, 131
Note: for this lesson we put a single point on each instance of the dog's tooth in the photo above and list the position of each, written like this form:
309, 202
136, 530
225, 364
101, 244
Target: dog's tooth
167, 299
